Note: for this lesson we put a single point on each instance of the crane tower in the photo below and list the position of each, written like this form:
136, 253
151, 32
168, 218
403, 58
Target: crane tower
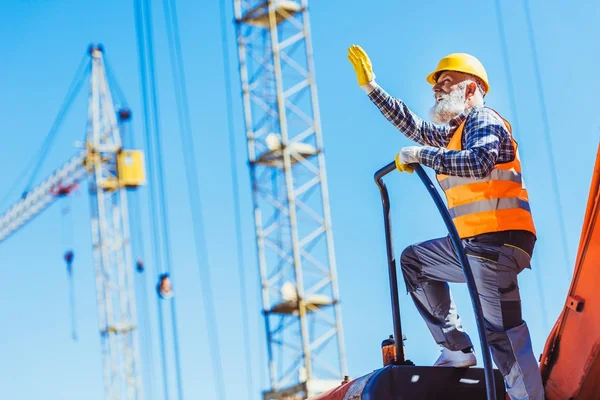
291, 211
110, 169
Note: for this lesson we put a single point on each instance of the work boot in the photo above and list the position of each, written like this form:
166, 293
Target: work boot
458, 359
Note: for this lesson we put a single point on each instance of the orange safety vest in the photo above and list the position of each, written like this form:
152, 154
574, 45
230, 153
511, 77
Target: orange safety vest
497, 202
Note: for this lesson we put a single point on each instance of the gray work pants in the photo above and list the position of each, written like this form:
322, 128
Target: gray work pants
428, 266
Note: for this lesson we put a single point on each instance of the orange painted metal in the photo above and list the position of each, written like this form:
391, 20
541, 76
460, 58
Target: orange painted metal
570, 362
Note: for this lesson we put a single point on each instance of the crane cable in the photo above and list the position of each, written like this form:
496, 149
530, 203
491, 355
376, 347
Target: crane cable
71, 94
35, 163
169, 27
146, 63
137, 229
67, 242
235, 185
138, 243
513, 106
236, 199
187, 144
118, 93
548, 141
72, 302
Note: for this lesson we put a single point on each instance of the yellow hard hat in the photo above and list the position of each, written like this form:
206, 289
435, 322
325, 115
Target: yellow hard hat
461, 62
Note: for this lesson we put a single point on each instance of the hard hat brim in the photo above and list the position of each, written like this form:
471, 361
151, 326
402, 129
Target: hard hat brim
432, 78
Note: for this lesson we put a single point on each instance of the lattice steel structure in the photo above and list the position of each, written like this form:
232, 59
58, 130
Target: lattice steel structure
103, 161
111, 242
292, 217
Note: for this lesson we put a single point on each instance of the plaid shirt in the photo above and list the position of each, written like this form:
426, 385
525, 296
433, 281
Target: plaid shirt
485, 140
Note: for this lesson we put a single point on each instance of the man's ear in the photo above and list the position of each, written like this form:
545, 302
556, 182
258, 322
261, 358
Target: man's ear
470, 90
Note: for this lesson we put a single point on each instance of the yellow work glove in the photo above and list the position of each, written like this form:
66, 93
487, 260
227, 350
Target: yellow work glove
361, 63
407, 155
403, 167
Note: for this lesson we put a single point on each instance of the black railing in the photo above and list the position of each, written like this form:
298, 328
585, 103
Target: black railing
462, 257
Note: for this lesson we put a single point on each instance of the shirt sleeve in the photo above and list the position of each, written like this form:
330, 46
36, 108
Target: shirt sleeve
413, 127
482, 137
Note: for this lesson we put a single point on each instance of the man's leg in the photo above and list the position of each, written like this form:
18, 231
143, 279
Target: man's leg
495, 269
427, 267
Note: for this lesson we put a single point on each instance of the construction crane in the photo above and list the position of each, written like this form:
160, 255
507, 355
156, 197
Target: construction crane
110, 169
292, 218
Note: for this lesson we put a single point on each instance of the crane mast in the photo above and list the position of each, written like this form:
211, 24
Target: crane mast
291, 206
110, 169
111, 242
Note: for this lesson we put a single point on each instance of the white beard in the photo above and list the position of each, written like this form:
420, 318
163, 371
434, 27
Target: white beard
450, 105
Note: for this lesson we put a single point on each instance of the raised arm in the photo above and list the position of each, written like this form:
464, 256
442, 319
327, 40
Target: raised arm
407, 122
413, 127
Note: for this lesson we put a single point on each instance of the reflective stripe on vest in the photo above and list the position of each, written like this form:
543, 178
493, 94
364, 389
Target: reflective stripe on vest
497, 174
488, 205
494, 203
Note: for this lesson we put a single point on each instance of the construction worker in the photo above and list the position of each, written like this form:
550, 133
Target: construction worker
474, 155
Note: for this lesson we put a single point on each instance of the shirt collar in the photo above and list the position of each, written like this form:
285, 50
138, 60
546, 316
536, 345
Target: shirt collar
460, 118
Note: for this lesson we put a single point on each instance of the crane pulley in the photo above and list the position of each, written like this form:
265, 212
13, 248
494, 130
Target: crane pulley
164, 286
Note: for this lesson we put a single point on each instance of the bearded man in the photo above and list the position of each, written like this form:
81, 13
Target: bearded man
477, 165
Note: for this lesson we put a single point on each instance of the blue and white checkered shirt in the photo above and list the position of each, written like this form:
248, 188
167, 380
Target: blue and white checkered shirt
485, 140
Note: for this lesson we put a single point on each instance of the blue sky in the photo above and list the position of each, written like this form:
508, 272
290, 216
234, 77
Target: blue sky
42, 44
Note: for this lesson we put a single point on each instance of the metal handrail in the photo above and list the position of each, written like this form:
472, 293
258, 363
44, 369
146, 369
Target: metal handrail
462, 257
